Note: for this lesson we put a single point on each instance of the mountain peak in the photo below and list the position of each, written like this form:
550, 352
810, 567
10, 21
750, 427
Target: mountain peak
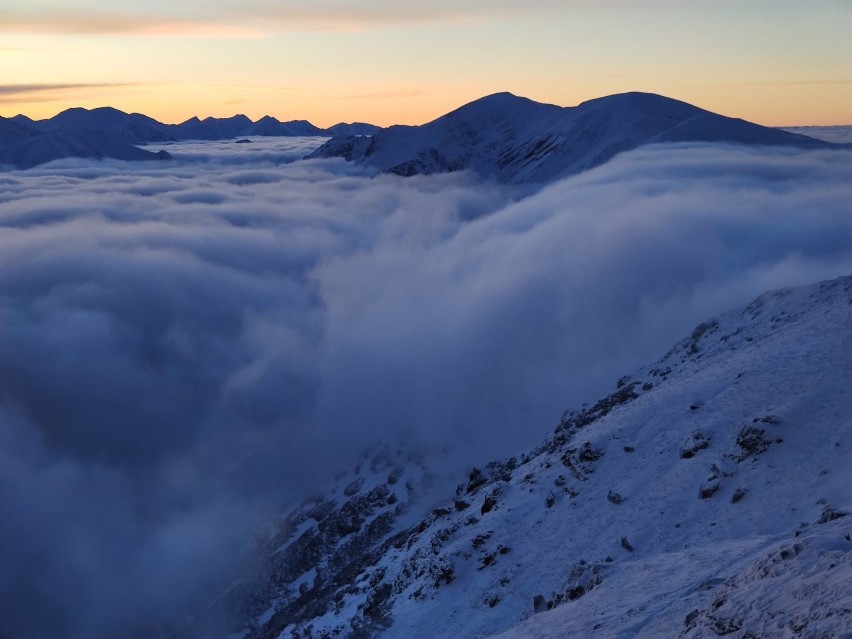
517, 140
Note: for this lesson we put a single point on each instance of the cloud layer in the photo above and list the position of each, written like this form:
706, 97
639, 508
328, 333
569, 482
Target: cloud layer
184, 347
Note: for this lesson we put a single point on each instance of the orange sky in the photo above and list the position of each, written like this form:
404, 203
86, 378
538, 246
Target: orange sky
776, 63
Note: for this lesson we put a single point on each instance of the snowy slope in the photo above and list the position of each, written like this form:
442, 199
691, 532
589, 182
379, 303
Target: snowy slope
136, 128
133, 128
703, 496
353, 128
317, 549
517, 140
211, 128
47, 147
12, 130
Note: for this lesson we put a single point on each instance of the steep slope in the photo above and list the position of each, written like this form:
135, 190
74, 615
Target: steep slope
47, 147
517, 140
680, 503
319, 548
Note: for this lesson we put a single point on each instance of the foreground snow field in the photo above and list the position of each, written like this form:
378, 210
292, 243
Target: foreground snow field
706, 496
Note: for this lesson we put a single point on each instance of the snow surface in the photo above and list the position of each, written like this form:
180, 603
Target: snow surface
47, 147
705, 496
516, 140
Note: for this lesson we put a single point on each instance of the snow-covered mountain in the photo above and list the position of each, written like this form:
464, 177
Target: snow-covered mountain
78, 129
517, 140
705, 496
13, 130
269, 126
56, 145
211, 128
353, 128
133, 128
137, 128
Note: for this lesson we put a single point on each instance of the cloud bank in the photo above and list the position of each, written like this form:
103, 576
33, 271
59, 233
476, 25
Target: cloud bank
184, 347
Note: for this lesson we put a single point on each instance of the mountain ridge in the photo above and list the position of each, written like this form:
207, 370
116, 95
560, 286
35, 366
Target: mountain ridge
516, 140
726, 455
501, 136
107, 132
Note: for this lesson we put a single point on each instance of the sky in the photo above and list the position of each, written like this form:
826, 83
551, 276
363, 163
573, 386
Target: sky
775, 62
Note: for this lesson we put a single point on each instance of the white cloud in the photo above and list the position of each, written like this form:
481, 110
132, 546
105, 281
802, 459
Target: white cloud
184, 344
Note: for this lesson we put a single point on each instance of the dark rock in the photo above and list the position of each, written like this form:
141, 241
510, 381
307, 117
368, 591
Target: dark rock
477, 479
444, 576
751, 442
829, 514
575, 593
697, 441
460, 504
589, 453
539, 604
706, 492
492, 600
627, 545
615, 498
479, 540
739, 493
692, 616
488, 505
550, 499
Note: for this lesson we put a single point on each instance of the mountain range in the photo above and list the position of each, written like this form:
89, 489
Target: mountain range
106, 132
516, 140
502, 136
706, 496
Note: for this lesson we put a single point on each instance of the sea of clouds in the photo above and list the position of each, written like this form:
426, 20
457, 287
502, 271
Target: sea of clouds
187, 345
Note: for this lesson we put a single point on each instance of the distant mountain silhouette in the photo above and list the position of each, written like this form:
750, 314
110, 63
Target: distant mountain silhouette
355, 128
501, 136
517, 140
104, 131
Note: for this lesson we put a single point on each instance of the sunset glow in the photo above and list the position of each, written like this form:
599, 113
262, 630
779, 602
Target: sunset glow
776, 63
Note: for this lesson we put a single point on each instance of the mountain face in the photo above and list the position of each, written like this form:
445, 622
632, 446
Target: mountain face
136, 128
13, 130
516, 140
78, 129
707, 495
354, 128
211, 128
56, 145
133, 128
